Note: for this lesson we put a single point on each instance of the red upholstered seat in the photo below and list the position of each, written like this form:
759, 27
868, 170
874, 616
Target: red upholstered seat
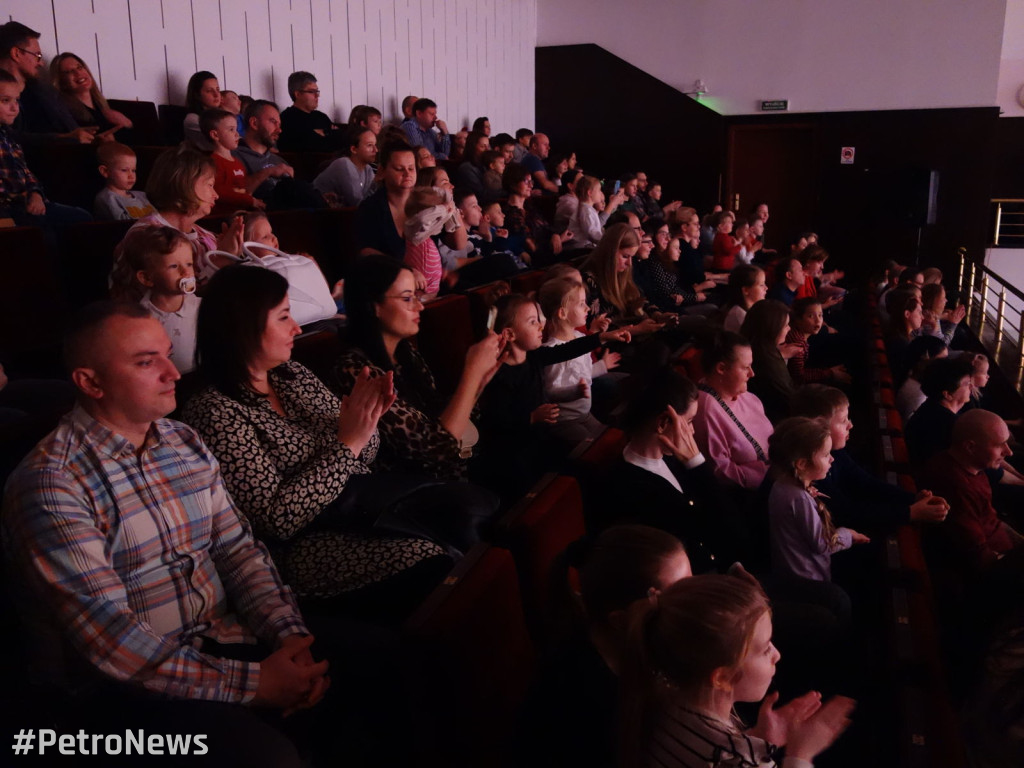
537, 530
528, 282
445, 335
470, 661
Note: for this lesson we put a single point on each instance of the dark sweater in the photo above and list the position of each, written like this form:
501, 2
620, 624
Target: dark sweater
859, 500
299, 132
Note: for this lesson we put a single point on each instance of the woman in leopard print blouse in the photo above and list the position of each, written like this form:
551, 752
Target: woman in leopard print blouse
420, 433
291, 453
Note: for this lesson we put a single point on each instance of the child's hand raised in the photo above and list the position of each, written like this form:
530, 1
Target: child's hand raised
775, 725
600, 323
545, 414
584, 389
621, 334
231, 235
611, 360
814, 735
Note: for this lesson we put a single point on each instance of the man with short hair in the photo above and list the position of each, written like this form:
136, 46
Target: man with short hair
789, 275
974, 531
276, 184
407, 103
147, 594
425, 129
523, 136
533, 161
303, 127
505, 144
44, 117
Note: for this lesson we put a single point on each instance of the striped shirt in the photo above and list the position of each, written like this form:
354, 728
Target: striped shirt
136, 556
683, 738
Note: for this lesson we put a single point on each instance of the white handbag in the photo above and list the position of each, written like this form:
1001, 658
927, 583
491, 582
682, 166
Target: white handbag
308, 291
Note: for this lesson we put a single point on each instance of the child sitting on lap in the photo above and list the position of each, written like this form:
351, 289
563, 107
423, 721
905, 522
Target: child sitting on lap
428, 211
161, 260
568, 383
515, 416
118, 201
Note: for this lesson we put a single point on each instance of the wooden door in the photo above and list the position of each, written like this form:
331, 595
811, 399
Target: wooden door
774, 164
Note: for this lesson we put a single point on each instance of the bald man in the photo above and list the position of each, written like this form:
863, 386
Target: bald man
533, 161
980, 442
131, 556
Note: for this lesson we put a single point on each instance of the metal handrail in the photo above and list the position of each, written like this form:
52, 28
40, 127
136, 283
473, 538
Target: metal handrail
976, 300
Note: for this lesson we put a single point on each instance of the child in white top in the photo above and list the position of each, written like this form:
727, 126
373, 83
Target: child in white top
161, 260
117, 201
564, 303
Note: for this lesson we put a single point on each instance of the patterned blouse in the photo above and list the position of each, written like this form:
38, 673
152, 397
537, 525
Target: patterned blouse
664, 283
284, 471
412, 439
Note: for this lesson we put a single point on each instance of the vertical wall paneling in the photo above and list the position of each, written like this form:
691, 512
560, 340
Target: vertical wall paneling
473, 57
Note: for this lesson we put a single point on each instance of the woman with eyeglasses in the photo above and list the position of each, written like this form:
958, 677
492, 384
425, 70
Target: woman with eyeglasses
421, 432
299, 461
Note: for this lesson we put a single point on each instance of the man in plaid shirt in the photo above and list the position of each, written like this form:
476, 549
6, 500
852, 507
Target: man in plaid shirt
126, 545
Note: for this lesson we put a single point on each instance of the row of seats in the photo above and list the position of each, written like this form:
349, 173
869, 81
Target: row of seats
69, 175
475, 641
927, 729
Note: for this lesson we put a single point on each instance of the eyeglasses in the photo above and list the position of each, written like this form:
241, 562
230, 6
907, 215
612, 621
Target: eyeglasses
314, 91
407, 298
39, 56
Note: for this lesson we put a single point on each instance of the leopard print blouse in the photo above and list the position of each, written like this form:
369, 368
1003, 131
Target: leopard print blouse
411, 440
282, 471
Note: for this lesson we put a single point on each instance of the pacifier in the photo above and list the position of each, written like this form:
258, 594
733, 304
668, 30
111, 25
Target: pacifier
187, 285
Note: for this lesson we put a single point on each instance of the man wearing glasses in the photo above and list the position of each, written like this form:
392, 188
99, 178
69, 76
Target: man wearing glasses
44, 118
303, 127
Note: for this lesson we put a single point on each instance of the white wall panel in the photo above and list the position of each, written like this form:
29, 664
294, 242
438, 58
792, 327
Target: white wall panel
473, 57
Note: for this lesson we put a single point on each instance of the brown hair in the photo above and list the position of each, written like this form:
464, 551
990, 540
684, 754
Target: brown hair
616, 287
796, 438
422, 198
676, 643
140, 249
110, 151
171, 185
931, 293
508, 307
763, 324
78, 109
818, 401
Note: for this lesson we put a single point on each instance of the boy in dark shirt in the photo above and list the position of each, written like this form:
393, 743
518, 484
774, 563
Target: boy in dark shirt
514, 414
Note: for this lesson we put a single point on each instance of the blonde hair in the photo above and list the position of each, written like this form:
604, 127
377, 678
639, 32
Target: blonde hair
110, 151
251, 219
616, 287
585, 185
555, 294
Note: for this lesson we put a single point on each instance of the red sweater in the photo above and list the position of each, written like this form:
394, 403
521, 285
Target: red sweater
230, 184
972, 525
724, 250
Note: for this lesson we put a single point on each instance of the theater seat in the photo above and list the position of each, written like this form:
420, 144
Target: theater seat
172, 122
32, 305
445, 335
537, 530
470, 662
88, 256
528, 282
145, 120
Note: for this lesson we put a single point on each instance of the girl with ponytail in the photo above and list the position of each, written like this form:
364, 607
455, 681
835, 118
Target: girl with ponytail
693, 651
